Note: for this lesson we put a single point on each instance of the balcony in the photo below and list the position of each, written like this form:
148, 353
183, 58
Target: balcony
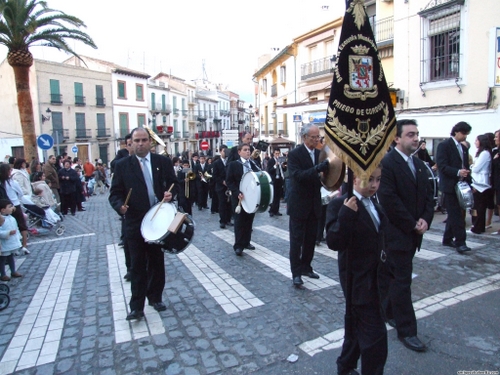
165, 129
384, 31
177, 134
202, 116
185, 134
166, 109
79, 101
155, 107
316, 68
184, 112
83, 134
103, 133
56, 99
274, 90
60, 135
176, 111
100, 102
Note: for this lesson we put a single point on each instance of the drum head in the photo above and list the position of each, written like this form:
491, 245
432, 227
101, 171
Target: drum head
257, 191
178, 242
155, 227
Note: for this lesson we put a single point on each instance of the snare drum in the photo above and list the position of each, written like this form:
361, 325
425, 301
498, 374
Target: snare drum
464, 195
257, 189
433, 181
155, 228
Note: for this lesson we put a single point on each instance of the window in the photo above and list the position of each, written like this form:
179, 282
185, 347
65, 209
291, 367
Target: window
81, 131
153, 101
264, 86
55, 93
99, 95
174, 102
57, 127
141, 120
441, 43
282, 74
123, 118
163, 103
139, 92
101, 125
103, 153
122, 90
79, 98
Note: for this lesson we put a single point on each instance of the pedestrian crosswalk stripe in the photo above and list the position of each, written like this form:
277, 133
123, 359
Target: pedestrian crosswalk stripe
120, 295
37, 338
439, 238
226, 290
277, 262
324, 250
62, 238
424, 307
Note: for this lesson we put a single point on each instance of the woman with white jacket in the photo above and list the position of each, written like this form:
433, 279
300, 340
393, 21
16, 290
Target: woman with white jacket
481, 186
21, 175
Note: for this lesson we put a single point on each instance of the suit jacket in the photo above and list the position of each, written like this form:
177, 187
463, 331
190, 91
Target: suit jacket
51, 175
198, 169
128, 175
449, 163
272, 171
354, 232
122, 153
219, 175
304, 195
234, 174
405, 199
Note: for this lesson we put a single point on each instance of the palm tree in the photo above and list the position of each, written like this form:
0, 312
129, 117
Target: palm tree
28, 23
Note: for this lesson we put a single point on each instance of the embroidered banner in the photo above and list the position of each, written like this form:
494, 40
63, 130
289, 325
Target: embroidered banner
360, 122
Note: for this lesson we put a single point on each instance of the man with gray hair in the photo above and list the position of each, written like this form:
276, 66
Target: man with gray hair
304, 202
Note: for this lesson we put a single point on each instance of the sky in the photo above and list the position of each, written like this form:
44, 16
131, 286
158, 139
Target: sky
180, 37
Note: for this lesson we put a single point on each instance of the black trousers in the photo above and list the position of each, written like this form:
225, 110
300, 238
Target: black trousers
126, 249
147, 273
302, 242
214, 207
278, 193
202, 194
242, 226
369, 341
395, 291
455, 223
68, 203
320, 234
224, 207
480, 204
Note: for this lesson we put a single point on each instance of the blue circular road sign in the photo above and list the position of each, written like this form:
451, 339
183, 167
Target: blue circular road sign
74, 149
45, 141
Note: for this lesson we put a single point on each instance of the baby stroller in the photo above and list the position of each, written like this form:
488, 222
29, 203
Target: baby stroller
4, 296
41, 222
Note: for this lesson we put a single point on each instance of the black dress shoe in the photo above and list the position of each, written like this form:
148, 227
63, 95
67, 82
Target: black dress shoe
250, 247
238, 251
158, 306
127, 276
278, 214
297, 280
413, 343
271, 214
120, 244
230, 224
135, 315
450, 243
463, 249
318, 243
223, 226
311, 274
391, 322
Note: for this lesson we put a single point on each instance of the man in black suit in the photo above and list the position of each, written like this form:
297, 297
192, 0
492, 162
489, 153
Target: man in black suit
407, 199
355, 228
242, 221
234, 154
304, 203
453, 165
202, 183
150, 177
123, 152
219, 176
276, 172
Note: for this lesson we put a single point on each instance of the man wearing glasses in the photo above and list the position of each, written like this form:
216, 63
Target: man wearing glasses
453, 165
304, 202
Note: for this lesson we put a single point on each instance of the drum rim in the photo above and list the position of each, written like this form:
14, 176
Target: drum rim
264, 180
167, 204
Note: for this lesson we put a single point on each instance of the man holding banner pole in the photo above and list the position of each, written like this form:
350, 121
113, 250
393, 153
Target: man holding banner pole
359, 128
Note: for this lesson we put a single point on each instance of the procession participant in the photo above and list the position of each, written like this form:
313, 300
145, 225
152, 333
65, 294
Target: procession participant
214, 204
408, 201
304, 202
219, 177
356, 226
242, 221
186, 186
201, 183
68, 178
453, 165
276, 172
51, 176
147, 177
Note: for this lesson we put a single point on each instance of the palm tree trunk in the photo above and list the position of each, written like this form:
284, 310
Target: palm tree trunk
25, 106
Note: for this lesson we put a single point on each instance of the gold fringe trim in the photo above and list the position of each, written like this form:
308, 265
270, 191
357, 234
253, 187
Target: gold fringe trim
357, 169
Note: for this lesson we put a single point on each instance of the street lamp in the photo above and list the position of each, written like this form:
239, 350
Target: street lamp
46, 118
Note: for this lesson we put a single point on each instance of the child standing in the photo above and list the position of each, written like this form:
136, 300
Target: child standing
9, 238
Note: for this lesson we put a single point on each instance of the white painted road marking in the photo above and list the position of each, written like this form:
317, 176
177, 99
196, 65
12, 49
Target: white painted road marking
38, 336
424, 307
324, 250
277, 262
439, 238
120, 296
226, 290
62, 238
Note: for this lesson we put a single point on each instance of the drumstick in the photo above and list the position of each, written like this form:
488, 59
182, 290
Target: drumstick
128, 197
237, 210
163, 200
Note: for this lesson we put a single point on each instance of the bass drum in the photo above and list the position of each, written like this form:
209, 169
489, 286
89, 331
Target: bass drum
258, 192
155, 228
433, 182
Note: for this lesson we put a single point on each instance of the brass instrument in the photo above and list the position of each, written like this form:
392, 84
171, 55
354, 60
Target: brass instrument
202, 177
156, 140
331, 179
207, 175
228, 195
255, 154
190, 176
